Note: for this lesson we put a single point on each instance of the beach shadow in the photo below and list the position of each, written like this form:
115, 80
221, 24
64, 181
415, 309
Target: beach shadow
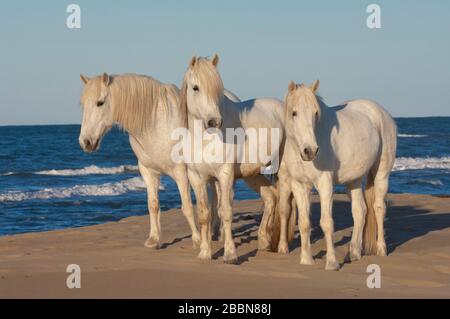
244, 234
342, 220
246, 257
174, 241
405, 223
402, 224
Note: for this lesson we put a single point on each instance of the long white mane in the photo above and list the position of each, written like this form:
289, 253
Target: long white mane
209, 79
136, 100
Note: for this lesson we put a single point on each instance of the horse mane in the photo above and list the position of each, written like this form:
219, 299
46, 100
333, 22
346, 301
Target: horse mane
135, 100
208, 79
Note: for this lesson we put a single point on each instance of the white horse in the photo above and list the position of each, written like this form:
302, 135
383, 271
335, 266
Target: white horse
342, 144
149, 111
202, 94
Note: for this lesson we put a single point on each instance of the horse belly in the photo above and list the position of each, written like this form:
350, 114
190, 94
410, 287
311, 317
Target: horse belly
248, 170
359, 155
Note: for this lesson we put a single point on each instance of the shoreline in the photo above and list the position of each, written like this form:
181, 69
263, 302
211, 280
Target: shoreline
115, 264
236, 202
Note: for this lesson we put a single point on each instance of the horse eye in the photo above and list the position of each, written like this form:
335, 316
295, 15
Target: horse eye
100, 103
294, 114
195, 88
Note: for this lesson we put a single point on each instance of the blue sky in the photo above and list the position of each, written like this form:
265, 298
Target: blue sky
262, 44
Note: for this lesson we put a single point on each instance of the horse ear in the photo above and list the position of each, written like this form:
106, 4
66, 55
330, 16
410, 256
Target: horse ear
292, 86
84, 79
105, 79
193, 61
315, 86
215, 60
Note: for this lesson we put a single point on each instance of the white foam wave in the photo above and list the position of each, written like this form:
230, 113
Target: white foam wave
107, 189
411, 163
412, 135
434, 182
7, 174
90, 170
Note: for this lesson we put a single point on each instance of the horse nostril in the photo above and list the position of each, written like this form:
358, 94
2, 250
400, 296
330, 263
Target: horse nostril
87, 143
307, 151
215, 123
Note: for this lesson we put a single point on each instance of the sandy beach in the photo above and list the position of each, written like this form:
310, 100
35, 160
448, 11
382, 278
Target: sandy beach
115, 264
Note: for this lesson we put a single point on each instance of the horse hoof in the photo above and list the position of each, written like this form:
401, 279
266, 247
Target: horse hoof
381, 250
354, 254
204, 255
152, 243
332, 265
230, 261
307, 260
230, 258
264, 245
283, 249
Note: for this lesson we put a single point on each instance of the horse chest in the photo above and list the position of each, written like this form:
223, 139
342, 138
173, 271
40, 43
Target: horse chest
300, 171
304, 173
151, 153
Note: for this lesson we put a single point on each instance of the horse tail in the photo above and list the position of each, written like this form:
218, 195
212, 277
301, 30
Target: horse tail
370, 226
275, 224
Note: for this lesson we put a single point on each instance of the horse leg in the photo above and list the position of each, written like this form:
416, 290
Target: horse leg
226, 181
381, 184
215, 199
204, 217
284, 211
262, 186
302, 193
325, 189
359, 211
181, 179
151, 179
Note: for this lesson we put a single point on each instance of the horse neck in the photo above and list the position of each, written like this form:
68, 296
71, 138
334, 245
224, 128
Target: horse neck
172, 115
326, 124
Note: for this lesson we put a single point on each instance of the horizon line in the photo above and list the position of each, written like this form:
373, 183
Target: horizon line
67, 124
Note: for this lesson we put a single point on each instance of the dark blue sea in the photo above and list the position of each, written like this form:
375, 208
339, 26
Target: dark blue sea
47, 182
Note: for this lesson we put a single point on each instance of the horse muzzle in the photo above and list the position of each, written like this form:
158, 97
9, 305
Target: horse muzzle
88, 145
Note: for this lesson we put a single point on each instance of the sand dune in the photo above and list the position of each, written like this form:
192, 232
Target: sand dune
114, 262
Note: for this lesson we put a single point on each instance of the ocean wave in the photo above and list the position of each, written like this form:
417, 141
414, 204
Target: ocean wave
432, 182
7, 174
107, 189
90, 170
417, 163
412, 135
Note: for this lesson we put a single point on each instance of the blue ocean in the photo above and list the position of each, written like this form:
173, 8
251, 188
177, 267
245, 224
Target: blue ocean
47, 182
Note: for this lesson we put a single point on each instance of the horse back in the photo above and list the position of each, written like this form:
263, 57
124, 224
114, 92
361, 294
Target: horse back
363, 134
